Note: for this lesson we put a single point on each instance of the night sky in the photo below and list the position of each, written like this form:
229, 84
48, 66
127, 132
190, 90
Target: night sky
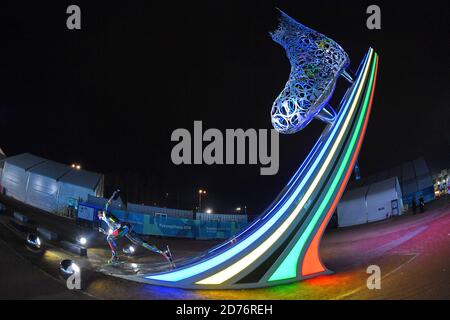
109, 96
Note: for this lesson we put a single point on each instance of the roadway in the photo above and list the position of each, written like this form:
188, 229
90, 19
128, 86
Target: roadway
413, 252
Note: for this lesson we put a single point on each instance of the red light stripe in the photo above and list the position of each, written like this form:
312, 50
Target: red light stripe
311, 261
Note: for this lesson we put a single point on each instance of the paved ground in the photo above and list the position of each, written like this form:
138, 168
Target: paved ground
413, 252
21, 279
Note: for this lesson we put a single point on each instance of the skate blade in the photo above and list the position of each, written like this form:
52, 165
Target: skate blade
170, 258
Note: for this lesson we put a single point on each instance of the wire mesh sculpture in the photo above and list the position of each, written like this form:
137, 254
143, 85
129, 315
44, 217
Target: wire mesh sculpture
316, 63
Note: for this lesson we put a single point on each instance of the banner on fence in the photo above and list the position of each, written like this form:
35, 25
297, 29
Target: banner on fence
164, 226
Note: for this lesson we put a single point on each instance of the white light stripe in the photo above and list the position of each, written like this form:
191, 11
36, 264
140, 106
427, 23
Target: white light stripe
243, 263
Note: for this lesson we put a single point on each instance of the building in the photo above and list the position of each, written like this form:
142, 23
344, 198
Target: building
46, 184
417, 181
440, 168
441, 181
384, 194
2, 158
377, 201
414, 177
15, 174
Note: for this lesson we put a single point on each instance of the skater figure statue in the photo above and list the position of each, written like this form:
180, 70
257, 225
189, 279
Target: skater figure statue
118, 229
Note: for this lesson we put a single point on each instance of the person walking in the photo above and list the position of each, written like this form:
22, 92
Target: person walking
414, 206
421, 204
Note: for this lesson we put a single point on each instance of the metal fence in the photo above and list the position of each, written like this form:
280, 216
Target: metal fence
167, 226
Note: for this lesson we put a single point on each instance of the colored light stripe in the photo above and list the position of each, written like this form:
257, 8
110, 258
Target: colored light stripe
312, 263
192, 270
243, 263
288, 268
286, 192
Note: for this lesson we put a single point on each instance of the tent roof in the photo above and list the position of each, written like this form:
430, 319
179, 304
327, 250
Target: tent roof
51, 169
83, 178
376, 187
24, 160
406, 172
383, 185
55, 170
355, 193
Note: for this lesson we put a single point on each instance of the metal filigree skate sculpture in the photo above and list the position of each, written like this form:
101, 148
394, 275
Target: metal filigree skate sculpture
316, 63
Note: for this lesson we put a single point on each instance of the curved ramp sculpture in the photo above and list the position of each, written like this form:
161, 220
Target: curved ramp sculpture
282, 245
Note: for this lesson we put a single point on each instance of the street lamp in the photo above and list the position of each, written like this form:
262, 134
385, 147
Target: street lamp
82, 241
238, 209
209, 211
200, 194
75, 166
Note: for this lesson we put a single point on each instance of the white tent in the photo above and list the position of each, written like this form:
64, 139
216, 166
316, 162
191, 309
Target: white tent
43, 188
383, 200
46, 184
352, 209
373, 202
2, 157
423, 176
79, 185
15, 174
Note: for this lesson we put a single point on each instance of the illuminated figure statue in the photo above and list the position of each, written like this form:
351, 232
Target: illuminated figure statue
316, 63
118, 229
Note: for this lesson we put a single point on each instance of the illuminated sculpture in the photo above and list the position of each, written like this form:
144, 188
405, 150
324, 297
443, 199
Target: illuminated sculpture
282, 244
316, 63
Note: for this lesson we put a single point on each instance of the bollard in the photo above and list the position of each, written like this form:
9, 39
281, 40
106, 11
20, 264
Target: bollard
47, 234
74, 248
20, 217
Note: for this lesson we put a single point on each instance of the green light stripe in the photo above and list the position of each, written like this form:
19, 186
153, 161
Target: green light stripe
288, 268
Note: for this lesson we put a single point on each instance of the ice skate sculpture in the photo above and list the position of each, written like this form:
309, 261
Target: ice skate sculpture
282, 244
316, 63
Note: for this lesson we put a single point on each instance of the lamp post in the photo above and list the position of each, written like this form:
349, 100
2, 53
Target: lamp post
75, 166
240, 209
200, 194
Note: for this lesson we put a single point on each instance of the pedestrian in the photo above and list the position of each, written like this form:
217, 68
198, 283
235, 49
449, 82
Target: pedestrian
414, 205
421, 204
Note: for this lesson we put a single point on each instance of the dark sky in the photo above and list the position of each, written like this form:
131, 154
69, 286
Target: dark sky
110, 95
